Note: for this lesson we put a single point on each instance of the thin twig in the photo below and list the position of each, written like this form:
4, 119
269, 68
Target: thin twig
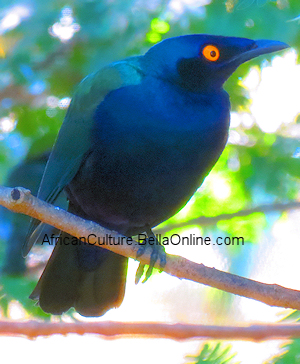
212, 220
116, 330
20, 200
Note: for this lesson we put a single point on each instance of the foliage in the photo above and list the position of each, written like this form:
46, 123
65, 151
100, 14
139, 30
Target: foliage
51, 45
290, 354
214, 354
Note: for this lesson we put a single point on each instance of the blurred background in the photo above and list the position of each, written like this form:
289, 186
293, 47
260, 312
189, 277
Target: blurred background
46, 48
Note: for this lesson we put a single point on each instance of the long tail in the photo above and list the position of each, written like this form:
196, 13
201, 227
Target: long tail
86, 277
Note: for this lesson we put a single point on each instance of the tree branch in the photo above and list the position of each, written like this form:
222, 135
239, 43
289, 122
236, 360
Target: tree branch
20, 200
110, 329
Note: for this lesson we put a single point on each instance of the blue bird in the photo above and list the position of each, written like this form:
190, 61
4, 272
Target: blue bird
138, 139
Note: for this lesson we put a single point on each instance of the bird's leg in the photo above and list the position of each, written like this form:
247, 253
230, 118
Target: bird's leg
158, 252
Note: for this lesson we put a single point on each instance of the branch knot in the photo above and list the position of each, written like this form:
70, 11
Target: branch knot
18, 194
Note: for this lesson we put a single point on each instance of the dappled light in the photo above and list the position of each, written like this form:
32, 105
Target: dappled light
66, 27
247, 209
274, 92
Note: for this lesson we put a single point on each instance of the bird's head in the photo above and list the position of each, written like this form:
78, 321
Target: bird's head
202, 62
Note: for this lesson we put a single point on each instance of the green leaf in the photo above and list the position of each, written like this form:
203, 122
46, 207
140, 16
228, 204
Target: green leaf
214, 354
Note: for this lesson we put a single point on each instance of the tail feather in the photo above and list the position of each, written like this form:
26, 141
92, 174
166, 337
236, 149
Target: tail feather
70, 281
103, 288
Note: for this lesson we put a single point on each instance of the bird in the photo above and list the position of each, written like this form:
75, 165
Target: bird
138, 139
28, 173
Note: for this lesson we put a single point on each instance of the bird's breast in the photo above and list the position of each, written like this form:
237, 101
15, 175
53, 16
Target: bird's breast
151, 149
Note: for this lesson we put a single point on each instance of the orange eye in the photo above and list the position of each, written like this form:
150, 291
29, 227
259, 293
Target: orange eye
211, 53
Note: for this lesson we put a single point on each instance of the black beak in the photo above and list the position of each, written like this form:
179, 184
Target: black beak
258, 48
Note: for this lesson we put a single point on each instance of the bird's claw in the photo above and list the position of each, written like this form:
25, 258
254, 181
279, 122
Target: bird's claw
139, 273
158, 252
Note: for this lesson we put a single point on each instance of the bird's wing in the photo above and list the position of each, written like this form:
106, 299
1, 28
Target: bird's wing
73, 140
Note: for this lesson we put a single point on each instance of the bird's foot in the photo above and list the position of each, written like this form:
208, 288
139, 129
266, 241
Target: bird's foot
158, 252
